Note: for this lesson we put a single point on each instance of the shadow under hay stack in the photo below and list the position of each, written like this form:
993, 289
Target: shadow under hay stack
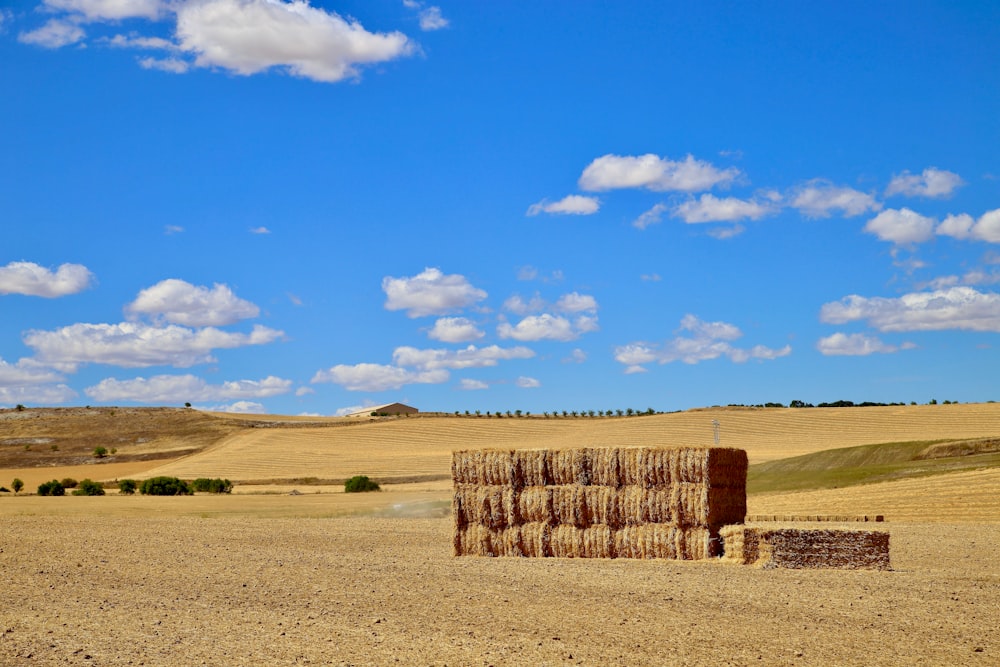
639, 502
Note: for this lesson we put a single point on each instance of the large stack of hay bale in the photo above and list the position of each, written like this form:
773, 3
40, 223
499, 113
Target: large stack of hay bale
641, 502
801, 548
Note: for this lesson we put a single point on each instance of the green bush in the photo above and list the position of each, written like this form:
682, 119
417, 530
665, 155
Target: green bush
127, 486
164, 486
205, 485
53, 488
17, 485
69, 483
359, 484
89, 487
100, 452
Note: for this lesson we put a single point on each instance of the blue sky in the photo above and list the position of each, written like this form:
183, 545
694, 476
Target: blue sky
300, 208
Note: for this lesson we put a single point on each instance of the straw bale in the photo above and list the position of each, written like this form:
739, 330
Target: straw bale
534, 504
535, 539
475, 540
492, 467
569, 466
566, 541
598, 541
662, 541
531, 468
494, 507
799, 548
605, 467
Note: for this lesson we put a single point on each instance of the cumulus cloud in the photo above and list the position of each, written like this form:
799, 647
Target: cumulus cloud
901, 226
855, 345
952, 308
472, 385
430, 17
378, 377
709, 340
577, 356
251, 36
430, 293
652, 172
470, 357
184, 388
36, 394
965, 227
135, 344
109, 10
547, 327
575, 302
515, 304
709, 208
651, 217
180, 302
527, 383
31, 279
819, 199
53, 35
932, 183
455, 330
239, 407
569, 205
24, 374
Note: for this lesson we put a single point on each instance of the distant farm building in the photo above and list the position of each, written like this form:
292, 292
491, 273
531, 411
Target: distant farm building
388, 409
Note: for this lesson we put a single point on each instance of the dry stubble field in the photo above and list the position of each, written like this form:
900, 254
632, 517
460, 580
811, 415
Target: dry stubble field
334, 579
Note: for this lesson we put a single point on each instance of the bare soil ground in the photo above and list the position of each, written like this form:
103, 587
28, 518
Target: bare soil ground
117, 590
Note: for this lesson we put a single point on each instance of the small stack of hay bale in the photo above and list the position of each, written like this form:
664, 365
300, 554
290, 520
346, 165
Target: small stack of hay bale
641, 502
803, 548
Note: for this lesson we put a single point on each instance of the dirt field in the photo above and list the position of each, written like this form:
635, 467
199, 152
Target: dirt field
114, 590
354, 579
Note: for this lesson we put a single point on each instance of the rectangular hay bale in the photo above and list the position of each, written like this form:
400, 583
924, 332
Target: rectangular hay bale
799, 548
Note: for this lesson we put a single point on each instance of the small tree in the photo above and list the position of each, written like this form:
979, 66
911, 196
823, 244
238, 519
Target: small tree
100, 452
53, 488
164, 486
17, 485
89, 487
127, 487
69, 483
360, 484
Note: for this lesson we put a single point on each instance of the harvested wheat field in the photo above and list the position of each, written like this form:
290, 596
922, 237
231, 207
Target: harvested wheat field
112, 590
324, 577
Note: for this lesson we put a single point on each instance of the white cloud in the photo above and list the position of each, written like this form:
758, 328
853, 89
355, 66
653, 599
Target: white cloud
351, 409
651, 217
610, 172
515, 304
547, 327
110, 10
377, 377
431, 19
819, 199
260, 230
53, 35
651, 277
933, 182
709, 341
938, 310
901, 226
430, 293
569, 205
855, 345
527, 383
239, 407
251, 36
455, 330
134, 344
23, 374
169, 65
172, 229
527, 273
576, 303
31, 279
472, 385
709, 208
136, 41
470, 357
723, 233
577, 356
37, 395
304, 391
965, 227
180, 302
184, 388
